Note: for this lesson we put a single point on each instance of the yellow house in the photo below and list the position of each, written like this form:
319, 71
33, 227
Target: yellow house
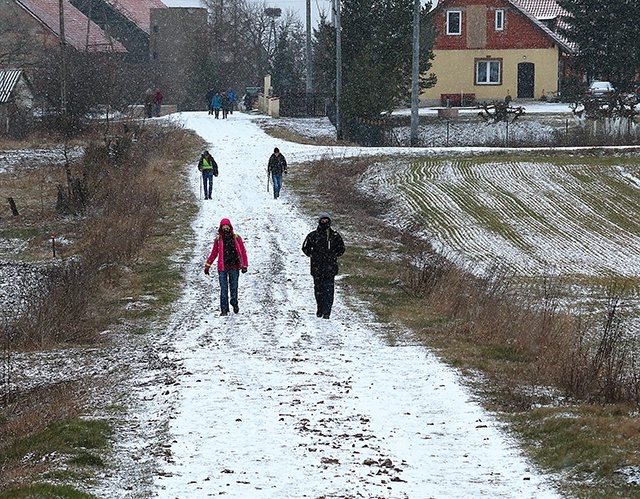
488, 49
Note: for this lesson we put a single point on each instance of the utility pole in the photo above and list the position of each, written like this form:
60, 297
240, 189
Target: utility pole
338, 70
415, 74
63, 53
309, 61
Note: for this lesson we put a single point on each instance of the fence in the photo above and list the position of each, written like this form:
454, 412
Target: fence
303, 105
529, 133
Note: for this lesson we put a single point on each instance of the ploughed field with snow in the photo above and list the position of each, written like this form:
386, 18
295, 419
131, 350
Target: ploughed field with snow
274, 402
550, 216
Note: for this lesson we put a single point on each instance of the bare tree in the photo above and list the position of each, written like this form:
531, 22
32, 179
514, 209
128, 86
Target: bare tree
16, 47
244, 40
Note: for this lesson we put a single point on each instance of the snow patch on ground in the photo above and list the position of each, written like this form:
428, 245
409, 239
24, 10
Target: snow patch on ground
35, 158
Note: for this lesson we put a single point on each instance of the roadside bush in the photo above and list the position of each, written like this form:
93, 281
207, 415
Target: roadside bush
586, 359
57, 310
114, 197
127, 197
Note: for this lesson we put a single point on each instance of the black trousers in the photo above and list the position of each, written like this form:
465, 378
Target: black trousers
323, 288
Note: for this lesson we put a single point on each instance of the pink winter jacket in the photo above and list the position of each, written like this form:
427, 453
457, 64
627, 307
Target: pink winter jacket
218, 248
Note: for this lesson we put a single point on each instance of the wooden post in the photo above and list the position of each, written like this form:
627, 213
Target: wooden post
14, 209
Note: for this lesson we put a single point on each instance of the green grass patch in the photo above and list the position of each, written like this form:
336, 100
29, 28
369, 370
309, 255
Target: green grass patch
20, 233
71, 437
590, 445
44, 491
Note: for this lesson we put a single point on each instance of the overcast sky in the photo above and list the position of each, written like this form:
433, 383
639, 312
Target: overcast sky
298, 6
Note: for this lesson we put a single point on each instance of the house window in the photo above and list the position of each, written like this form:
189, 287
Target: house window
488, 72
454, 22
499, 20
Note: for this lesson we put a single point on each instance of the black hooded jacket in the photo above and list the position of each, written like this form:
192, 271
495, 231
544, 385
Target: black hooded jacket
277, 164
324, 245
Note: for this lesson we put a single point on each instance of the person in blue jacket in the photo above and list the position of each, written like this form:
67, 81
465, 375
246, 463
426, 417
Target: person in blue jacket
216, 104
231, 97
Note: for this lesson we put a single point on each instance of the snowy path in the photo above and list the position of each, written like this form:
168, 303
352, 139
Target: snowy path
276, 403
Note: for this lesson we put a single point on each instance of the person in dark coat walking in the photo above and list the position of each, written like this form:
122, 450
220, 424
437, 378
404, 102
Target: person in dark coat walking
209, 97
324, 245
209, 169
276, 167
157, 103
228, 248
149, 100
225, 105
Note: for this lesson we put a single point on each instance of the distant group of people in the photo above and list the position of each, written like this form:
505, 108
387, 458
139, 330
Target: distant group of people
221, 101
323, 245
276, 167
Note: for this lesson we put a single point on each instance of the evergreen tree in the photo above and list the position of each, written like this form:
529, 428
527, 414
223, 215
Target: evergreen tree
607, 35
377, 47
288, 72
324, 57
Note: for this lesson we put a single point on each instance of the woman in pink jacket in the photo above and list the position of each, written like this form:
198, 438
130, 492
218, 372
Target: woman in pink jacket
228, 248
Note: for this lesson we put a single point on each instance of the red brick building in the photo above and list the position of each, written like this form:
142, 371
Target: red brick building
489, 49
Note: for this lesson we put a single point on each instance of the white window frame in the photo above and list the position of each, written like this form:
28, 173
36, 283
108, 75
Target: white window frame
490, 77
450, 13
499, 20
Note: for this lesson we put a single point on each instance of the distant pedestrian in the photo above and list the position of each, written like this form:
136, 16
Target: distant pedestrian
231, 96
149, 98
324, 245
216, 104
248, 102
276, 167
209, 96
229, 249
157, 103
225, 105
209, 168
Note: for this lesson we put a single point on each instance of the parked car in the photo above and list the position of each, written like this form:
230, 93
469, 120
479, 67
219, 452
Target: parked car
599, 89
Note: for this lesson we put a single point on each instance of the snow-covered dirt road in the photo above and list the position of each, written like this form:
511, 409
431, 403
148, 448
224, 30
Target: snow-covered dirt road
276, 403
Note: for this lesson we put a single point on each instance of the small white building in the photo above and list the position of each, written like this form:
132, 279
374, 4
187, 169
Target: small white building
16, 102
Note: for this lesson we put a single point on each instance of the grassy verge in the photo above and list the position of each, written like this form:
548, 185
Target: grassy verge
118, 268
590, 449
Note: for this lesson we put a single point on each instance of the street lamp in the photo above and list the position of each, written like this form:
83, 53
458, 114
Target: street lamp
272, 12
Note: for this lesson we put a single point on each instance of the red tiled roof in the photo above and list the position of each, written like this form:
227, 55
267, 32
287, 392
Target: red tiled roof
75, 25
137, 10
542, 9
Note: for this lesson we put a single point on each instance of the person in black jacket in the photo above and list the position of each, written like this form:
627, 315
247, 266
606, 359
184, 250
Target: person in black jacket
324, 245
276, 167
